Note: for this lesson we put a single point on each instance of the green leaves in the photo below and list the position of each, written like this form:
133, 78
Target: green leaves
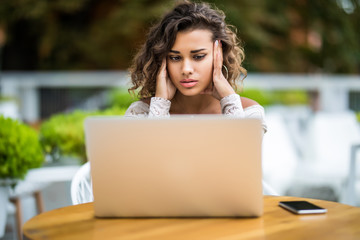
20, 149
63, 134
121, 98
279, 36
266, 98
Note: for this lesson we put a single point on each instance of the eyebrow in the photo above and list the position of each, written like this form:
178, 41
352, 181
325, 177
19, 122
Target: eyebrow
192, 51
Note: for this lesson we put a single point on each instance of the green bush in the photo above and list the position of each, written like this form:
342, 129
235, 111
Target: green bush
262, 97
63, 134
20, 149
6, 98
358, 116
121, 98
290, 97
285, 97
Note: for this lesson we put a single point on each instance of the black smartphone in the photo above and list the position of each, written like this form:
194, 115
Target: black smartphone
302, 207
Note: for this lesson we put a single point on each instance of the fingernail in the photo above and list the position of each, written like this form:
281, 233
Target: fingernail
217, 43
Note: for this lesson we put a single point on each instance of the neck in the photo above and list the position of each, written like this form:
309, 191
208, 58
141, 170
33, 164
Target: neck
199, 104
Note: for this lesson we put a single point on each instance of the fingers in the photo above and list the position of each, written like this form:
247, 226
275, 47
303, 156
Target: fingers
215, 52
222, 87
161, 90
220, 54
164, 86
218, 59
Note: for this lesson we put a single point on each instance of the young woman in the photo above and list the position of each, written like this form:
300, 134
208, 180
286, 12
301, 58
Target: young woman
189, 64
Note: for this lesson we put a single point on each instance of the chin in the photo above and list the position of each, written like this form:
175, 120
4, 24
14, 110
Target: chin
190, 92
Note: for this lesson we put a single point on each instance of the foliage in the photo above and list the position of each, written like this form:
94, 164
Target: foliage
20, 149
288, 97
358, 116
279, 36
262, 97
297, 36
291, 97
77, 34
63, 134
6, 99
121, 98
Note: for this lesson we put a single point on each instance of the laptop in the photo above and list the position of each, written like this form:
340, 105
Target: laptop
203, 166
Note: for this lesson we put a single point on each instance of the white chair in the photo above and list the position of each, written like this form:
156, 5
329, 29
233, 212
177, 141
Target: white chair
352, 186
36, 180
22, 189
327, 161
279, 154
81, 186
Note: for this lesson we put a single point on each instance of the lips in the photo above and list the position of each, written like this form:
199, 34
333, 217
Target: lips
188, 83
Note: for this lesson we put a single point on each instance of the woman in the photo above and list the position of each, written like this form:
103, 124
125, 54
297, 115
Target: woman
189, 64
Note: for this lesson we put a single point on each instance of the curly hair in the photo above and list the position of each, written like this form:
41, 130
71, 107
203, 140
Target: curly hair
186, 16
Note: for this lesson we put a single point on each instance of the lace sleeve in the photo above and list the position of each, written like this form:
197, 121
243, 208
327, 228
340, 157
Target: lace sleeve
231, 105
158, 107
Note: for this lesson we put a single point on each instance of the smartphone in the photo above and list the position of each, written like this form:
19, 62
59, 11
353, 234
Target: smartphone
302, 207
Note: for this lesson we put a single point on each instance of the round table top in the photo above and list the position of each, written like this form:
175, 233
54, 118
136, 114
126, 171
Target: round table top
78, 222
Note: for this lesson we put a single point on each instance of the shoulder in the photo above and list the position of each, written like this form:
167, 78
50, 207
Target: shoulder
253, 109
247, 102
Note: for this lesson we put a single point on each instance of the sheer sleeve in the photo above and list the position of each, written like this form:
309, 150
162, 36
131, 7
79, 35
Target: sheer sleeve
159, 107
231, 106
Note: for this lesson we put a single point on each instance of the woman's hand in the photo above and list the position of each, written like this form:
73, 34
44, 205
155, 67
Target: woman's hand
164, 87
220, 87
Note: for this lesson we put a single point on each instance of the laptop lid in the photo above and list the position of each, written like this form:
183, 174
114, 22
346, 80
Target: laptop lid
177, 167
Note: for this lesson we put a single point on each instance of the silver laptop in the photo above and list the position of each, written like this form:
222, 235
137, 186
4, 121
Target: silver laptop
203, 166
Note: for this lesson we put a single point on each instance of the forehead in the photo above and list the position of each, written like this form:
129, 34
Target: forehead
193, 39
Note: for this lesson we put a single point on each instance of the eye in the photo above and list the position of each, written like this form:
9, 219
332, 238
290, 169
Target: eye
175, 58
199, 57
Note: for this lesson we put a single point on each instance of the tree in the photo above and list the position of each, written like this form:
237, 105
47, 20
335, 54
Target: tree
279, 36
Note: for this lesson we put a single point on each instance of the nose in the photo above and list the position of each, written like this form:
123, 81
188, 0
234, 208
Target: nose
187, 67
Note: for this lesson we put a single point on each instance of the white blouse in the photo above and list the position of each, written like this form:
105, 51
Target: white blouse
230, 105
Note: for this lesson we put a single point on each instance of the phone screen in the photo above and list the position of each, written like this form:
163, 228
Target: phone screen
302, 207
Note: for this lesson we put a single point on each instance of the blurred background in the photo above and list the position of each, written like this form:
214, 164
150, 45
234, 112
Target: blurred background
61, 61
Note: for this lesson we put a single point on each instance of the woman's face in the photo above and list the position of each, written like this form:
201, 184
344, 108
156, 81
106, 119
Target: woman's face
190, 61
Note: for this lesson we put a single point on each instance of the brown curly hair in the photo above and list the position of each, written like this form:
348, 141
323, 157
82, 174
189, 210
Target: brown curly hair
161, 37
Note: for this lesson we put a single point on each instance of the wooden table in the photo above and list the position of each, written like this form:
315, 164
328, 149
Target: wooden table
78, 222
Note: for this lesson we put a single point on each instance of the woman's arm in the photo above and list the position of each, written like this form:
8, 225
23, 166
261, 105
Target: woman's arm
155, 107
233, 105
159, 107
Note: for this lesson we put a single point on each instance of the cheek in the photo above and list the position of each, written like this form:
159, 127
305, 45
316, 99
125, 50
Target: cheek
207, 69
